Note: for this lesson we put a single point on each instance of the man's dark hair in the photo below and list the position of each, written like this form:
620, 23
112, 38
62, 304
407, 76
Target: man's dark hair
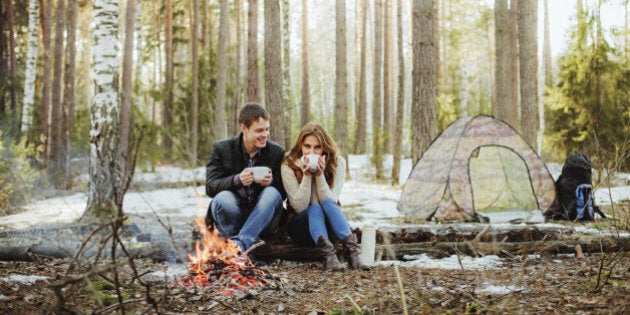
251, 112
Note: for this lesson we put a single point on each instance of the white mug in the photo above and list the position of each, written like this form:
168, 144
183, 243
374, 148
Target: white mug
313, 161
260, 172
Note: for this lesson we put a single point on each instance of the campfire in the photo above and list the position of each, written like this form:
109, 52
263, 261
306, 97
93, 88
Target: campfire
216, 264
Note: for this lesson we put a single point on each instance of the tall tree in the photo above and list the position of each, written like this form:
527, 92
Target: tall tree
400, 103
167, 104
388, 89
528, 69
233, 126
306, 92
341, 79
274, 100
194, 110
69, 87
377, 101
219, 109
503, 99
286, 74
104, 193
127, 87
547, 49
253, 93
31, 66
57, 105
46, 78
12, 65
424, 77
359, 132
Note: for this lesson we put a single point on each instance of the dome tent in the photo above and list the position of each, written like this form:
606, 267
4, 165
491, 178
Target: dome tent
476, 164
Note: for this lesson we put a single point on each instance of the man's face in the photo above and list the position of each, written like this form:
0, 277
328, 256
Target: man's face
255, 137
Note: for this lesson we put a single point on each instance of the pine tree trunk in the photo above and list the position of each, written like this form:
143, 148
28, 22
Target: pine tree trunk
194, 110
104, 196
69, 88
387, 78
361, 126
502, 97
377, 101
306, 92
127, 88
547, 63
286, 73
233, 127
400, 106
31, 66
274, 100
512, 111
55, 169
167, 104
341, 80
46, 81
424, 74
528, 43
219, 109
12, 71
253, 93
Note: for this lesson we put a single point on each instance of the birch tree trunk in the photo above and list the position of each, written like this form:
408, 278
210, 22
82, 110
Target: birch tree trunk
253, 93
31, 66
127, 87
219, 109
194, 115
528, 47
424, 74
341, 80
400, 103
274, 100
104, 194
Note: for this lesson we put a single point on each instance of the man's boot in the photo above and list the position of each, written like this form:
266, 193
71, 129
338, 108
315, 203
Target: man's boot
351, 252
329, 255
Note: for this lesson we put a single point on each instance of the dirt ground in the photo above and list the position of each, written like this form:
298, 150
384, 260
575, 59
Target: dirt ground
595, 284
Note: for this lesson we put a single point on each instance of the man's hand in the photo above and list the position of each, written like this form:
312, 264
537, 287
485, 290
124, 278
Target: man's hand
266, 181
247, 177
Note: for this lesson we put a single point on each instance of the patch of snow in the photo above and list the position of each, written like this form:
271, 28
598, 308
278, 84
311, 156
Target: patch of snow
171, 271
607, 196
30, 279
452, 262
498, 289
602, 232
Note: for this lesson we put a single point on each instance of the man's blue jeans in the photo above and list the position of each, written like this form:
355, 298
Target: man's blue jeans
244, 224
325, 219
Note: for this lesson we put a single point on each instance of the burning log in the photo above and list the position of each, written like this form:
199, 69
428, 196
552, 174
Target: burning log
218, 265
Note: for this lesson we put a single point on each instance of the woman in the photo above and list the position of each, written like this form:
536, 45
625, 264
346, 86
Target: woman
313, 193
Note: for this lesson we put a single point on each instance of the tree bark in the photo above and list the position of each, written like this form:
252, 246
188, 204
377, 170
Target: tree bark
219, 109
46, 81
400, 104
274, 100
127, 88
69, 88
167, 104
253, 93
286, 73
377, 101
388, 90
12, 70
31, 67
360, 131
502, 97
424, 74
56, 169
512, 111
306, 92
194, 110
341, 80
547, 62
528, 69
233, 126
104, 194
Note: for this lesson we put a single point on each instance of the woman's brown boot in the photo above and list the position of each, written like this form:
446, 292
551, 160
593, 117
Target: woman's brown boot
329, 254
351, 251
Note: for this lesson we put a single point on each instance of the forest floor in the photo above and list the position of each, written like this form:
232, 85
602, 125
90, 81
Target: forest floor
593, 284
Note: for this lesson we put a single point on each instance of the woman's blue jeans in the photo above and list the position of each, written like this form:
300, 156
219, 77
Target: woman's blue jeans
325, 219
244, 224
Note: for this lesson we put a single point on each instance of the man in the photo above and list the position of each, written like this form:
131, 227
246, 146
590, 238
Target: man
241, 208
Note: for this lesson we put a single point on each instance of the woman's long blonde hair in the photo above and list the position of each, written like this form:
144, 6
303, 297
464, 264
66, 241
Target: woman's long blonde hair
328, 144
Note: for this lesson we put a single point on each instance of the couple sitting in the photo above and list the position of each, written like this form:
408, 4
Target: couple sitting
244, 208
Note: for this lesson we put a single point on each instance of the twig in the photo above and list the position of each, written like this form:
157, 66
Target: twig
402, 291
85, 241
359, 309
115, 306
253, 247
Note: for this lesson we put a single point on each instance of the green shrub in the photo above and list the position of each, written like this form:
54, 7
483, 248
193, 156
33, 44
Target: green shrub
17, 177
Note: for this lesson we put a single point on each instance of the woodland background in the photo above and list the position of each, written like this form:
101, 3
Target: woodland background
137, 83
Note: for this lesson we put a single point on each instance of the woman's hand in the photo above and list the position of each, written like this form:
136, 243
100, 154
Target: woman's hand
321, 165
